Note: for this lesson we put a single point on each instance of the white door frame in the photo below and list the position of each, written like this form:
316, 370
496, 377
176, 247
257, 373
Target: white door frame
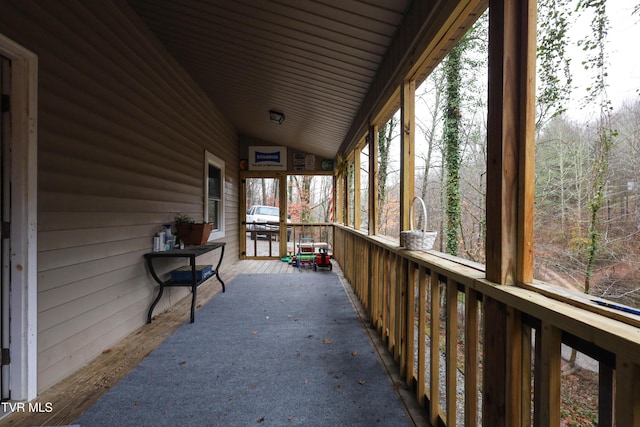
23, 231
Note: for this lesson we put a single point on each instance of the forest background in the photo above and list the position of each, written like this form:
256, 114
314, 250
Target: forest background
587, 206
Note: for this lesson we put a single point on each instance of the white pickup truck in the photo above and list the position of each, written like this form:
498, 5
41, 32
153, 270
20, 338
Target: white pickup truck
264, 218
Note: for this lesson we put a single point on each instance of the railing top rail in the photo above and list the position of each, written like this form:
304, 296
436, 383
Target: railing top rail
603, 331
567, 311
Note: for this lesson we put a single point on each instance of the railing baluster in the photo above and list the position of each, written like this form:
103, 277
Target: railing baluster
398, 313
526, 372
494, 363
627, 401
435, 348
403, 304
375, 288
509, 315
471, 373
410, 322
452, 350
385, 296
605, 395
373, 277
550, 375
422, 333
515, 375
392, 303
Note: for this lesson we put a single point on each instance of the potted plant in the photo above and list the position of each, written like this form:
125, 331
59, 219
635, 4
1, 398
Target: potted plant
191, 233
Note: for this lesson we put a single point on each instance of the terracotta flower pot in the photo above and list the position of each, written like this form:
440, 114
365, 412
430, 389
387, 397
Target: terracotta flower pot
193, 234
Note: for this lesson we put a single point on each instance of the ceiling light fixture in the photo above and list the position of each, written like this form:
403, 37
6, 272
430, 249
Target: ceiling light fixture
276, 117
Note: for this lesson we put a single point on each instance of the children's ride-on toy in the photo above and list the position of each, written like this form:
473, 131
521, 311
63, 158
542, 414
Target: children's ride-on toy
323, 260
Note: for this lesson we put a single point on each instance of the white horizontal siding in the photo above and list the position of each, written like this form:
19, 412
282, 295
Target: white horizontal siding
121, 139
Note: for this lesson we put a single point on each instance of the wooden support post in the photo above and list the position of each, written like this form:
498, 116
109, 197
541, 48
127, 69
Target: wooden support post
344, 197
243, 217
407, 153
338, 205
356, 189
373, 180
509, 244
510, 137
526, 138
282, 238
348, 180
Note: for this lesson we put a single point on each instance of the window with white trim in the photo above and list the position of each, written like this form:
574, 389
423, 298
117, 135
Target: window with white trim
214, 194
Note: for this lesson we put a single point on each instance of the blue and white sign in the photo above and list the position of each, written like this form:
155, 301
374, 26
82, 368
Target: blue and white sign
267, 158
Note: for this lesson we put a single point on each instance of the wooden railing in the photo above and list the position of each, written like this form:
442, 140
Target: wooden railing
318, 232
264, 240
431, 311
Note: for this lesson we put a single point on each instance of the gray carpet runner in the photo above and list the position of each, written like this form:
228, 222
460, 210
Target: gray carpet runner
274, 350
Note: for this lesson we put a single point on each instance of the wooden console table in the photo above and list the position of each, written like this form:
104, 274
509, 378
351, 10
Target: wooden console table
190, 252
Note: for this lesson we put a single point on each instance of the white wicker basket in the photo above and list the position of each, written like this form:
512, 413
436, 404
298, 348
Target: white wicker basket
418, 240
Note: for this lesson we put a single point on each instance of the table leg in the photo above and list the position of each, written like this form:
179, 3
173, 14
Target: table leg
218, 268
153, 304
193, 302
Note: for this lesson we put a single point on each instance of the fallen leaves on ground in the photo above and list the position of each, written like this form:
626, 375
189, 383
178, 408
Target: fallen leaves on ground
326, 341
579, 401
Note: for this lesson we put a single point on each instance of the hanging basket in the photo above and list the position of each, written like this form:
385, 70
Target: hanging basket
418, 240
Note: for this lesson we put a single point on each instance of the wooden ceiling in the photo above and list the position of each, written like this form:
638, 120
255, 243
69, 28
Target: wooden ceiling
312, 60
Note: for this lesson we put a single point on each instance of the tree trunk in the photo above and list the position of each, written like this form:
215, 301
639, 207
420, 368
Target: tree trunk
451, 137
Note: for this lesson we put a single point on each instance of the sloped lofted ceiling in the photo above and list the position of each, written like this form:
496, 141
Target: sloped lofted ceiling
312, 60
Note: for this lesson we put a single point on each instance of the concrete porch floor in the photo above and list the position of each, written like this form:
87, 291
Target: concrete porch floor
73, 396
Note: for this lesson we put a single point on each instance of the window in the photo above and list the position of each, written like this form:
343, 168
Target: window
266, 210
214, 194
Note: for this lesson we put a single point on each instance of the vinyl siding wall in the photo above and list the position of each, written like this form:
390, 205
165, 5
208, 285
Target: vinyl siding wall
121, 138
